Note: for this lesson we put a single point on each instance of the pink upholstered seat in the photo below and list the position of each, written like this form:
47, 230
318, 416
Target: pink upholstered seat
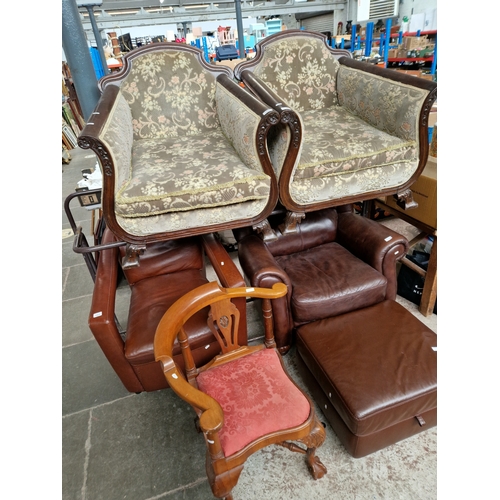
257, 398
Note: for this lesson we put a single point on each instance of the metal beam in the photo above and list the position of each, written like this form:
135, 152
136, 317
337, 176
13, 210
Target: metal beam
223, 10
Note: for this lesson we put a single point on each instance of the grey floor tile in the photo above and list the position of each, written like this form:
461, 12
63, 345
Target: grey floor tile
75, 313
69, 257
75, 431
88, 379
79, 282
143, 447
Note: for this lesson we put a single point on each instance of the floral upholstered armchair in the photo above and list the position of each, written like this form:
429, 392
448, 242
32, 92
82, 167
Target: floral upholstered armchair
183, 148
355, 131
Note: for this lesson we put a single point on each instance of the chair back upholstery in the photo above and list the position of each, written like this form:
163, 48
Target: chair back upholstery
301, 69
171, 92
391, 106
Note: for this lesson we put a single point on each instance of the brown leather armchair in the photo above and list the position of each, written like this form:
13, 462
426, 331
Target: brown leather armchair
335, 262
168, 270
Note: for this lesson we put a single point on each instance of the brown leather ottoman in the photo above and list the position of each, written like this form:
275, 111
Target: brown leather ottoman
373, 372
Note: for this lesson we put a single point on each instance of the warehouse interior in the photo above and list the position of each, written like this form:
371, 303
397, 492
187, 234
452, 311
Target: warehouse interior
114, 443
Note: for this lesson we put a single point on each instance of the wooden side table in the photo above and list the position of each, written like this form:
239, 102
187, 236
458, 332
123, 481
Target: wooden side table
429, 293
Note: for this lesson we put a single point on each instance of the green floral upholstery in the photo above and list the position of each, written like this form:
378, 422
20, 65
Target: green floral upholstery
348, 158
301, 71
359, 130
170, 94
385, 104
183, 148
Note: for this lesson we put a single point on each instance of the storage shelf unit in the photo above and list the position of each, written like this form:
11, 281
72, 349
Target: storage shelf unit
273, 26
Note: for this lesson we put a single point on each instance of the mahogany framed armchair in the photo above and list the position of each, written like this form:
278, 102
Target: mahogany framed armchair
355, 131
182, 147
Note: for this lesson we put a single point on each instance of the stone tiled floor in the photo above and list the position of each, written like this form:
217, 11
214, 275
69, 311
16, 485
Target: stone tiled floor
118, 445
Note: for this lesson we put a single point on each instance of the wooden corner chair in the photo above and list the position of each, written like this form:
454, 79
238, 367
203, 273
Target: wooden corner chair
182, 148
244, 398
356, 131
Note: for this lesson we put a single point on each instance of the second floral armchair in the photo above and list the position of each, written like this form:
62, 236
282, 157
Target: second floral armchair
356, 131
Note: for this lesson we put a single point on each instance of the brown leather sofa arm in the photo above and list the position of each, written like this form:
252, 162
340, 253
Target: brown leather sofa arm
369, 240
375, 244
102, 319
263, 271
260, 265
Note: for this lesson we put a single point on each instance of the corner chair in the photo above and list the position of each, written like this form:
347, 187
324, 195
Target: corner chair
244, 398
182, 148
355, 131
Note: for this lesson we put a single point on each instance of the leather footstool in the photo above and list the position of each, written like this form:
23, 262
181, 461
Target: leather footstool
373, 372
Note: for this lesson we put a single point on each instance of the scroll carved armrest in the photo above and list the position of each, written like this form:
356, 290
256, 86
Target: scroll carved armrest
285, 153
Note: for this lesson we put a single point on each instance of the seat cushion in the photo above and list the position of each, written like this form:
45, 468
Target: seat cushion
328, 280
257, 398
342, 155
176, 174
376, 365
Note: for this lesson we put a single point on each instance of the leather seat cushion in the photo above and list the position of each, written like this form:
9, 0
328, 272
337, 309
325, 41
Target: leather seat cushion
149, 301
376, 365
320, 285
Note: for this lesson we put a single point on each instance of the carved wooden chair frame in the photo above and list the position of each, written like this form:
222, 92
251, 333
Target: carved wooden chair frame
223, 472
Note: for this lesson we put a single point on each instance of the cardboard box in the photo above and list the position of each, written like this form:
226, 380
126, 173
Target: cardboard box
392, 53
414, 42
425, 194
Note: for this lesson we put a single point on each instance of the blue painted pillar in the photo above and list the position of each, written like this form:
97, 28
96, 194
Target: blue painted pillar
353, 37
78, 58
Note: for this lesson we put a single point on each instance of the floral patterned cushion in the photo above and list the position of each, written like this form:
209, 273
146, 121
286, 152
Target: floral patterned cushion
342, 155
336, 141
257, 398
170, 94
187, 173
302, 71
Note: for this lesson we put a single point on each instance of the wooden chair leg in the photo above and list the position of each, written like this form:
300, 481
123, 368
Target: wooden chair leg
314, 464
223, 483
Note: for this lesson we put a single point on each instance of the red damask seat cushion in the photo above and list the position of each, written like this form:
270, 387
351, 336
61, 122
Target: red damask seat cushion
257, 398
